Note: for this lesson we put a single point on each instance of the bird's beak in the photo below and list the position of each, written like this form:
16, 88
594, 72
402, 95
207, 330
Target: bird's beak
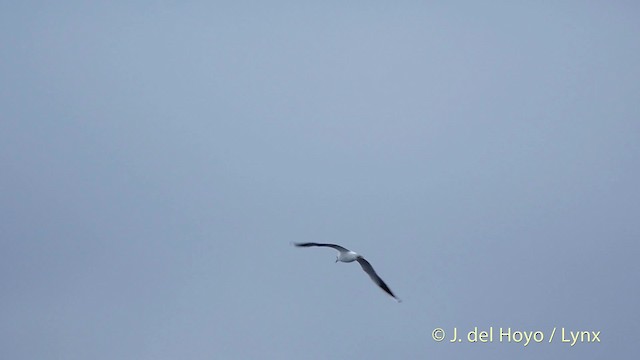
336, 260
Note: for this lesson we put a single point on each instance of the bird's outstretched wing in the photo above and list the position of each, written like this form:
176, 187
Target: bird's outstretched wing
376, 279
337, 247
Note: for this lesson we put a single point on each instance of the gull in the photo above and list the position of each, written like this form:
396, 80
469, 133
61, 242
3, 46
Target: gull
348, 256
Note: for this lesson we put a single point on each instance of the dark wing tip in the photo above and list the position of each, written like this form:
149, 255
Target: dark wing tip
384, 287
334, 246
303, 244
366, 266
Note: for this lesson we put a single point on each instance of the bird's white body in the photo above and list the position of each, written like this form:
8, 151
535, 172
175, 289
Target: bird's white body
347, 256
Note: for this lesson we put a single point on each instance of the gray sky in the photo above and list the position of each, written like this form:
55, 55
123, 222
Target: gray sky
158, 157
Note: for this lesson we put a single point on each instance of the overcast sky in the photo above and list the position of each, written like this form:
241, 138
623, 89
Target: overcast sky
158, 157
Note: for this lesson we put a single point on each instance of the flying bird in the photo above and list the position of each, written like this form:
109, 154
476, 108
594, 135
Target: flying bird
348, 256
